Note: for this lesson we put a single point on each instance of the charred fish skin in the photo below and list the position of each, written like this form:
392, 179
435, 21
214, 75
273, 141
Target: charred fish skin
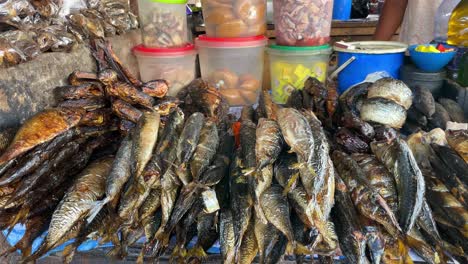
6, 136
39, 129
399, 160
453, 108
349, 231
458, 140
452, 161
205, 150
424, 101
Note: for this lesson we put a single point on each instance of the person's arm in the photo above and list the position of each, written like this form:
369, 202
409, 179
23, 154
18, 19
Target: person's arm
390, 20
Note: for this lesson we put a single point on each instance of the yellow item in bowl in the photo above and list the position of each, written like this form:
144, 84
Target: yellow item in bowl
428, 49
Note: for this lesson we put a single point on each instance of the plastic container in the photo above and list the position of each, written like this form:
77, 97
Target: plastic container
163, 23
291, 66
442, 19
234, 66
342, 9
412, 76
175, 65
458, 24
234, 18
431, 62
370, 57
302, 23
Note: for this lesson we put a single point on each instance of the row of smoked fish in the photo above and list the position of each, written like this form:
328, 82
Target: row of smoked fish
118, 160
31, 27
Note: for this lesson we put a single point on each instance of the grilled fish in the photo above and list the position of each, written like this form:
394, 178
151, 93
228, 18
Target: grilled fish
454, 110
393, 90
384, 112
227, 238
205, 150
268, 143
424, 101
458, 140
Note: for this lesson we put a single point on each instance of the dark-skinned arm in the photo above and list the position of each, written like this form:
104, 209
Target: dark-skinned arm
390, 20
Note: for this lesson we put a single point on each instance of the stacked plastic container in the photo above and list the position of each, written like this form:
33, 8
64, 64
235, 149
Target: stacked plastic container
166, 52
232, 51
302, 30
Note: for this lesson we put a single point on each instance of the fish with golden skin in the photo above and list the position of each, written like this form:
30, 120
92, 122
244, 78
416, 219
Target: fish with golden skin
88, 188
399, 160
130, 94
458, 140
205, 150
39, 129
144, 139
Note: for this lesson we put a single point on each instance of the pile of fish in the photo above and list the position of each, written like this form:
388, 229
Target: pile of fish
118, 160
29, 27
426, 114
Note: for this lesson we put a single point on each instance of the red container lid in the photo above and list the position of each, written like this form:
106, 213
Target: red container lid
248, 42
141, 50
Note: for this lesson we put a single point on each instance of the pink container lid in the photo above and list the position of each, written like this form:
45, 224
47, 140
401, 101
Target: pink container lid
141, 50
248, 42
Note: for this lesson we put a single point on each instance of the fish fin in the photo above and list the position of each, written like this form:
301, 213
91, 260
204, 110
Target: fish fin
197, 252
291, 183
96, 208
389, 211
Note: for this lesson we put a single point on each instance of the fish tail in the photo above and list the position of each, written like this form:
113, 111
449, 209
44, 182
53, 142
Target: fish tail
197, 252
96, 207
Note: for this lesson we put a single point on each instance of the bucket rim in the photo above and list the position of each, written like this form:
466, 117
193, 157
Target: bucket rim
393, 47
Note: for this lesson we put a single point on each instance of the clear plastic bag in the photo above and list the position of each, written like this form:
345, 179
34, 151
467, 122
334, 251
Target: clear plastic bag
442, 19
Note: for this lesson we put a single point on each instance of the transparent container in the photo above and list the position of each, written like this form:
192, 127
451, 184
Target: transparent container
163, 23
302, 23
458, 25
175, 65
234, 66
442, 19
234, 18
290, 67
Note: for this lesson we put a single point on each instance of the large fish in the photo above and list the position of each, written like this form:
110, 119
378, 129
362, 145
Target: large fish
75, 206
399, 160
144, 139
349, 230
458, 140
205, 150
39, 129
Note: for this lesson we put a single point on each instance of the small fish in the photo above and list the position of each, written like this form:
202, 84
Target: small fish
384, 112
220, 165
205, 150
423, 101
458, 140
454, 110
264, 234
144, 139
150, 205
345, 217
393, 90
249, 248
207, 232
187, 143
399, 160
268, 142
227, 238
129, 94
247, 143
264, 182
41, 128
276, 208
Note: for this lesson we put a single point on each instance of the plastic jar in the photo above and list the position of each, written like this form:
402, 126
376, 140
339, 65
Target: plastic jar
163, 23
234, 66
175, 65
290, 67
234, 18
302, 23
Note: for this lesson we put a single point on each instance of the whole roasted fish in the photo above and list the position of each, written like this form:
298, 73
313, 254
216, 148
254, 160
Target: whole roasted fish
454, 110
458, 140
399, 160
39, 129
424, 101
247, 145
227, 238
268, 142
249, 248
349, 231
205, 150
144, 139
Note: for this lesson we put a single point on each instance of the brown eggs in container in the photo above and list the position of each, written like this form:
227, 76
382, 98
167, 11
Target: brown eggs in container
238, 90
234, 18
